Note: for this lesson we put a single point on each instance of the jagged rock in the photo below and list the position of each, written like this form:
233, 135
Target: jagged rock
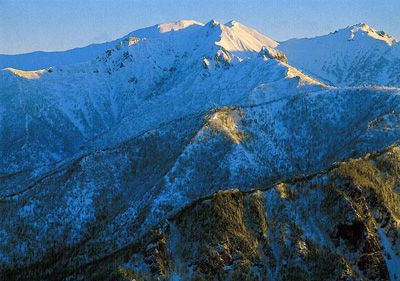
223, 58
270, 53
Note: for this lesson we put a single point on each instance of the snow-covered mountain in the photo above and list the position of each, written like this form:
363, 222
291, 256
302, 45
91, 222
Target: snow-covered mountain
356, 55
98, 157
250, 40
170, 71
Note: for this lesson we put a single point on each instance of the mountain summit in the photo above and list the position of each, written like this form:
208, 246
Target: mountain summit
175, 26
356, 55
233, 36
364, 29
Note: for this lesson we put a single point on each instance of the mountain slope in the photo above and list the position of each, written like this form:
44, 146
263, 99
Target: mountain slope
107, 199
326, 226
321, 227
356, 55
65, 110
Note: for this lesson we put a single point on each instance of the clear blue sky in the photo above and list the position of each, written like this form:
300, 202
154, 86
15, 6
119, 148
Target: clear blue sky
29, 25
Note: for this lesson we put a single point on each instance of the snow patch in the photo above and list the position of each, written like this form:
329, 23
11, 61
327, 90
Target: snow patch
392, 260
177, 25
34, 74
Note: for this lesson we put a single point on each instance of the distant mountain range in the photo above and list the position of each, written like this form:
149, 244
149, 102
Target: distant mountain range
355, 55
191, 151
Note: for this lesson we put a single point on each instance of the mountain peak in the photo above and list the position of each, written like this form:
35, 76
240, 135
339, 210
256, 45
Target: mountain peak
239, 37
177, 25
354, 55
232, 23
213, 22
242, 41
361, 25
364, 28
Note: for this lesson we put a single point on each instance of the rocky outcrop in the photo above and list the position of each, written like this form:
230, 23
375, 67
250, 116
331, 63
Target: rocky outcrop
270, 53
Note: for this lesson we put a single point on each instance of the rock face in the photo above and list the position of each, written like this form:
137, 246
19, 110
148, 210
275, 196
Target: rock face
196, 152
270, 53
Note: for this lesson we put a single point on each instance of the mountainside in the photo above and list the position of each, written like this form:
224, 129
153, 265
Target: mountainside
69, 108
339, 224
356, 55
326, 226
190, 151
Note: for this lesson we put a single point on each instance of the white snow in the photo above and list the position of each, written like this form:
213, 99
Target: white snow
392, 260
35, 74
178, 25
364, 29
356, 55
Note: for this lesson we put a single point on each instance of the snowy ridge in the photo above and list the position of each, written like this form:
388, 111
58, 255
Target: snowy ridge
356, 55
171, 73
237, 37
234, 37
34, 74
41, 59
175, 26
362, 29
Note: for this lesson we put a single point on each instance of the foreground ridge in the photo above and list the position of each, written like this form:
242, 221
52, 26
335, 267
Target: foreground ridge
347, 216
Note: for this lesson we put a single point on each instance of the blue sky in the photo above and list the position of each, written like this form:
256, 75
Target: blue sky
27, 26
